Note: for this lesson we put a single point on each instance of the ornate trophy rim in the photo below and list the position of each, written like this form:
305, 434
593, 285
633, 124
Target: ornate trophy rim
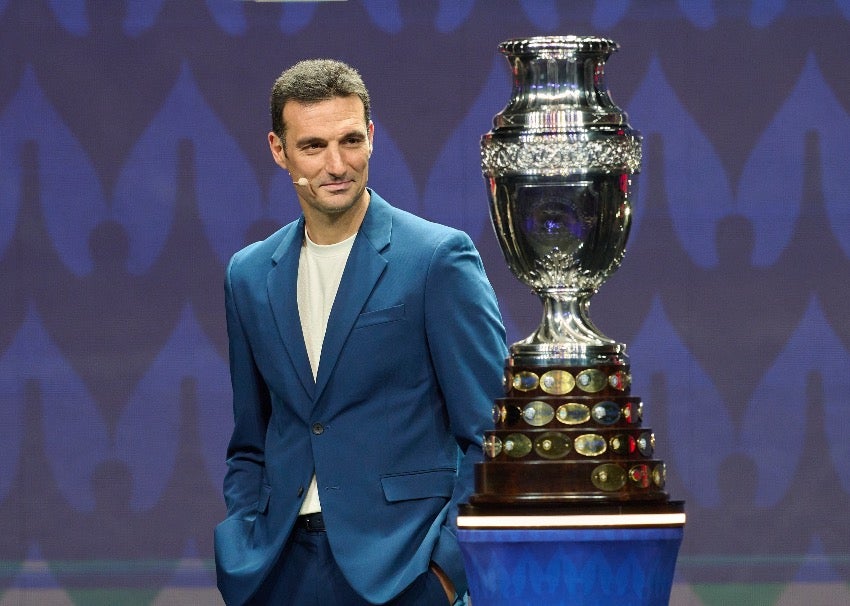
557, 45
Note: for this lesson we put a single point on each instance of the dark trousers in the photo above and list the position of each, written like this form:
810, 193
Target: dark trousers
306, 574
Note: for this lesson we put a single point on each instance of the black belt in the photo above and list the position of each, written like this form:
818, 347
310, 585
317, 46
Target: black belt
313, 522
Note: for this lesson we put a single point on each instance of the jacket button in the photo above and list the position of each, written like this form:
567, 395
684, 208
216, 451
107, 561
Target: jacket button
300, 490
318, 428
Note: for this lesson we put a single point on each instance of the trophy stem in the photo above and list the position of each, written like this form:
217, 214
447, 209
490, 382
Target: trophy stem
566, 331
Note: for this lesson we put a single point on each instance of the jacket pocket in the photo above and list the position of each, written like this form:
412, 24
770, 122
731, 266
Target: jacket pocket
419, 484
380, 316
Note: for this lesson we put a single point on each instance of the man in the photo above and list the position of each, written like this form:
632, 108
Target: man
366, 348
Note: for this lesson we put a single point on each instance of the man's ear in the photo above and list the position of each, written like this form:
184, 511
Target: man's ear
371, 131
277, 149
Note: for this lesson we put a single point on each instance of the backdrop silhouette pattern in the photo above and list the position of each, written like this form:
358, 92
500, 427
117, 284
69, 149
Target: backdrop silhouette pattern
133, 163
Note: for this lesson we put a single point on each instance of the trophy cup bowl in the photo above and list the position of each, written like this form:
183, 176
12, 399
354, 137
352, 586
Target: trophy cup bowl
557, 164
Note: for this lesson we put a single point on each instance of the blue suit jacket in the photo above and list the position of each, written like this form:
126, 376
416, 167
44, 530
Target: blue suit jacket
411, 362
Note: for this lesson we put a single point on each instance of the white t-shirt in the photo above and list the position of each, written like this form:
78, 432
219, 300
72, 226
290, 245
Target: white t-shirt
320, 270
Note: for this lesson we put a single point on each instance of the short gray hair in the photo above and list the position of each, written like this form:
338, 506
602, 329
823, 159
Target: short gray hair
312, 81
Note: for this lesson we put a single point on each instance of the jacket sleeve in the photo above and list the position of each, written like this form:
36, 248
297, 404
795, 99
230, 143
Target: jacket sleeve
466, 340
251, 412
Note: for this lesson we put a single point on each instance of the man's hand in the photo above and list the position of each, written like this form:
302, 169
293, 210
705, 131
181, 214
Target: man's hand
445, 581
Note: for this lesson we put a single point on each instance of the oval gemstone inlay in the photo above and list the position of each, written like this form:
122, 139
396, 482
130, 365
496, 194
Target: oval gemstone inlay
639, 474
525, 381
552, 445
557, 382
573, 413
606, 413
591, 380
633, 412
659, 475
498, 413
623, 444
517, 445
620, 380
537, 413
492, 446
646, 443
608, 477
590, 445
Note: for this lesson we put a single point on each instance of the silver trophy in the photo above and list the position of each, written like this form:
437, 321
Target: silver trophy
569, 474
557, 163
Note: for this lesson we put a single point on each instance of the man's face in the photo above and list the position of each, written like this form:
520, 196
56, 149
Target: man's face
329, 144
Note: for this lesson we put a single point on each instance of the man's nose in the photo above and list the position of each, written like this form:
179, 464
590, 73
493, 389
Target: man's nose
334, 163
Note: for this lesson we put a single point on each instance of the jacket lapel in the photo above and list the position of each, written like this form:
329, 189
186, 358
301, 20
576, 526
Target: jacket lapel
365, 265
282, 288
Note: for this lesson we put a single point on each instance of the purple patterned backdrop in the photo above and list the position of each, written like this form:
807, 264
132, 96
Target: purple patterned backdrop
133, 163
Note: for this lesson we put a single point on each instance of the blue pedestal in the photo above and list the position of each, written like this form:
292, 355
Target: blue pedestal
570, 567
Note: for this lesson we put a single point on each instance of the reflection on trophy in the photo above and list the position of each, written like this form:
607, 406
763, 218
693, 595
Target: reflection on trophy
568, 452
